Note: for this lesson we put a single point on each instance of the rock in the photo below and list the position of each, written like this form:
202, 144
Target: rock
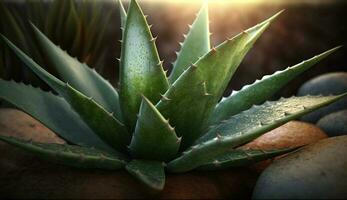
326, 84
334, 124
291, 134
314, 172
23, 175
19, 124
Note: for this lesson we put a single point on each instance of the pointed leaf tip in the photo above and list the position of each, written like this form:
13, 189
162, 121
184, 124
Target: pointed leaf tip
70, 155
271, 19
216, 67
151, 173
241, 128
79, 75
195, 45
112, 131
262, 89
154, 138
139, 55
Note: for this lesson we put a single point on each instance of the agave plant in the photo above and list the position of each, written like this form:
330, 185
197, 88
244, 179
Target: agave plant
158, 123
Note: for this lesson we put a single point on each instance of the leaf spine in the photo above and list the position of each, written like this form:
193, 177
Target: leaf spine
153, 39
216, 162
160, 63
194, 66
286, 113
164, 97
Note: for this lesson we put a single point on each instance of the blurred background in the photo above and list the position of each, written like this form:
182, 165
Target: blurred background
90, 31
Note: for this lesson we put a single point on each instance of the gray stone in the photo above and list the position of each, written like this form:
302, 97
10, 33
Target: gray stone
334, 124
318, 171
326, 84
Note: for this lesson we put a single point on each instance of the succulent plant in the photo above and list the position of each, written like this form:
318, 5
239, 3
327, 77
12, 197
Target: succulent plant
158, 123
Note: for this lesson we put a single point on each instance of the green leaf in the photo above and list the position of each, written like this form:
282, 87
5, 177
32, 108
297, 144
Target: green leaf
36, 11
243, 157
43, 106
70, 155
69, 28
151, 173
102, 122
80, 76
123, 15
141, 71
95, 31
97, 48
245, 127
11, 26
52, 13
192, 98
154, 138
261, 90
195, 45
60, 20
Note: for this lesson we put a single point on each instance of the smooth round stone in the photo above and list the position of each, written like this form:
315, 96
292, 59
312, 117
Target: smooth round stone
335, 123
18, 124
326, 84
318, 171
291, 134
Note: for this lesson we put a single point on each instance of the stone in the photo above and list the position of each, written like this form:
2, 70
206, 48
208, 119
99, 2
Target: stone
317, 171
331, 83
291, 134
334, 124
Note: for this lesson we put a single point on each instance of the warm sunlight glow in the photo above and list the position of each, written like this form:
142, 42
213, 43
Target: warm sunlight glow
243, 1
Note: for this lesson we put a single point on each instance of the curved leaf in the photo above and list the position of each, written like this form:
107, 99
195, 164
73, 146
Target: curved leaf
203, 83
69, 28
103, 123
53, 111
70, 155
247, 126
195, 45
154, 138
261, 90
123, 14
151, 173
243, 157
141, 71
80, 76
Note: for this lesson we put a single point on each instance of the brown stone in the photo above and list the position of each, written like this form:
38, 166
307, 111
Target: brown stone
291, 134
19, 124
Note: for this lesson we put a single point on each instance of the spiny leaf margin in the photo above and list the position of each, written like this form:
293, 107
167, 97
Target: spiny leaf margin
262, 89
70, 155
228, 135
